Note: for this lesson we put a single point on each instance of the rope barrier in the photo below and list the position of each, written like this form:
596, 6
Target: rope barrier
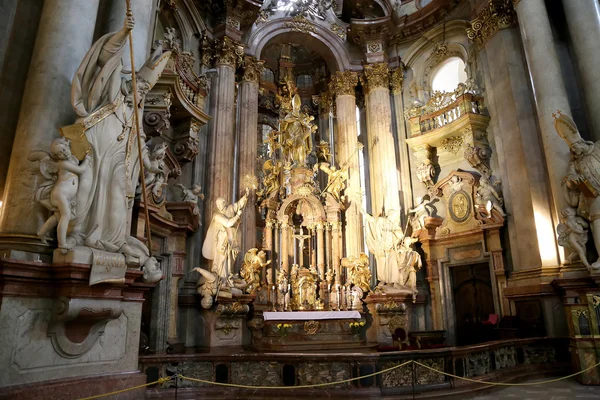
160, 380
179, 376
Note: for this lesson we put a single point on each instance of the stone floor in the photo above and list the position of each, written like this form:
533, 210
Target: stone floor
562, 390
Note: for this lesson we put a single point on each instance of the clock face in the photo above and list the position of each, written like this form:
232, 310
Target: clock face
459, 206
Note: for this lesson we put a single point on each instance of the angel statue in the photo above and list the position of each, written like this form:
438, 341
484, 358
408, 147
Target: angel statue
272, 142
154, 169
271, 171
207, 286
190, 195
488, 197
254, 261
105, 108
423, 210
324, 151
221, 242
409, 262
58, 194
358, 271
337, 179
573, 234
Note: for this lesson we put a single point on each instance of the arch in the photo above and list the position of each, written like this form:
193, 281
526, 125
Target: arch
321, 40
318, 211
425, 74
425, 43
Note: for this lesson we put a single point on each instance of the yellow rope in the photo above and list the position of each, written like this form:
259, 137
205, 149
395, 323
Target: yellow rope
160, 380
509, 384
295, 387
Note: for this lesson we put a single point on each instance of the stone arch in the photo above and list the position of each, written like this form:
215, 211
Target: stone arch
433, 62
318, 211
187, 20
319, 39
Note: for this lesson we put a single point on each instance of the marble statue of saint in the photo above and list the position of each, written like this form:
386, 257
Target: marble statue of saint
582, 181
103, 101
409, 262
221, 242
383, 236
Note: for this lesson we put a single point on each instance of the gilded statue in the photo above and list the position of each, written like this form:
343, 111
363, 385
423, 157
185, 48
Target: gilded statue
221, 242
358, 271
59, 192
336, 179
284, 96
296, 134
582, 182
272, 142
271, 172
254, 261
323, 151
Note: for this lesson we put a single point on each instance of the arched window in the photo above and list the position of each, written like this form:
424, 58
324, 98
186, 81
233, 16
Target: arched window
449, 74
304, 81
267, 75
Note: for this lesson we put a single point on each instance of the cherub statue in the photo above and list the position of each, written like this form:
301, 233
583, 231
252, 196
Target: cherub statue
272, 142
152, 271
488, 197
358, 271
324, 151
254, 261
192, 194
425, 173
573, 235
271, 171
207, 286
337, 179
423, 210
58, 194
154, 164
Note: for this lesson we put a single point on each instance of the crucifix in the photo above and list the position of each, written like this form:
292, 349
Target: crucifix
301, 238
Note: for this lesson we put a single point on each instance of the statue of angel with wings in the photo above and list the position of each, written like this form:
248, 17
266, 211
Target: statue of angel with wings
61, 169
337, 179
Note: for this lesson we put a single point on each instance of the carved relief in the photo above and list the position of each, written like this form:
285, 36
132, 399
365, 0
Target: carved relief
252, 69
452, 144
477, 364
228, 52
196, 370
397, 377
505, 357
315, 373
262, 373
494, 17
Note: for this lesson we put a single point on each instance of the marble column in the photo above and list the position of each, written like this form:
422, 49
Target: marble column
248, 103
143, 13
222, 135
397, 82
583, 18
549, 90
516, 142
342, 86
381, 149
64, 36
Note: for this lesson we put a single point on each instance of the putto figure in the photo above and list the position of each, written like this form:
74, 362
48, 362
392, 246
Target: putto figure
573, 234
62, 170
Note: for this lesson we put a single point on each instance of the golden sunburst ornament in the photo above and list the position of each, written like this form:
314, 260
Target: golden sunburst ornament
250, 181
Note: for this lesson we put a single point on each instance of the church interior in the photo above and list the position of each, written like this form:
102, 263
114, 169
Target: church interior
298, 198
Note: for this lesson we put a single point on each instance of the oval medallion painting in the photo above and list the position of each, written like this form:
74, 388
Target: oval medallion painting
459, 206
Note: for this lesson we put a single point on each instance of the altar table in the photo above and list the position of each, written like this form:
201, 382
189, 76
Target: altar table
309, 315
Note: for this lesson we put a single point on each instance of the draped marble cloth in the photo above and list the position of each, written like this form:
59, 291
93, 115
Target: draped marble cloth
105, 190
382, 237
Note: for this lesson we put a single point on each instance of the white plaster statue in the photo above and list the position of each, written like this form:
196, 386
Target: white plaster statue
207, 286
221, 242
409, 262
423, 210
488, 197
58, 194
425, 173
154, 169
105, 107
191, 195
582, 182
383, 236
573, 234
152, 271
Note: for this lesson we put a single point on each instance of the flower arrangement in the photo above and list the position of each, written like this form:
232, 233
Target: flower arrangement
283, 329
356, 326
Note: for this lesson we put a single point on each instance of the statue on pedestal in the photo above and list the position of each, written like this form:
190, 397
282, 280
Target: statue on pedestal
296, 134
221, 242
573, 234
423, 210
488, 197
582, 182
254, 261
409, 262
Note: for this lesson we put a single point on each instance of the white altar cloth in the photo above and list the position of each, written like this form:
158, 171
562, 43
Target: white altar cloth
309, 315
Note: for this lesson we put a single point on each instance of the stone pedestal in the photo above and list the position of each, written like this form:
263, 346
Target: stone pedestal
225, 324
55, 327
389, 312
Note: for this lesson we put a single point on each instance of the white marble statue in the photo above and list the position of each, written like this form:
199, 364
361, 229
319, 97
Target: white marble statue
154, 169
573, 234
152, 271
582, 182
221, 242
191, 195
58, 194
383, 236
409, 262
488, 197
423, 210
207, 286
104, 104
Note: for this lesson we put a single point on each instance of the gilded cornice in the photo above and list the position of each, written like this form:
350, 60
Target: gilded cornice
252, 69
228, 52
397, 80
494, 17
375, 76
343, 82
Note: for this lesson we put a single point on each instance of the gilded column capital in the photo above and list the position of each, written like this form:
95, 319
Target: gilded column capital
494, 17
252, 69
397, 80
343, 83
228, 52
376, 76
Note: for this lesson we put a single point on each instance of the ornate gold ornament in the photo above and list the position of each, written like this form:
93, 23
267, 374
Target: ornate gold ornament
229, 52
375, 75
339, 31
312, 327
453, 144
459, 206
252, 69
358, 271
300, 24
492, 19
397, 80
343, 82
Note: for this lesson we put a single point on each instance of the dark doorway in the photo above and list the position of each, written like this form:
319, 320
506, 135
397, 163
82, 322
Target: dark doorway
473, 303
